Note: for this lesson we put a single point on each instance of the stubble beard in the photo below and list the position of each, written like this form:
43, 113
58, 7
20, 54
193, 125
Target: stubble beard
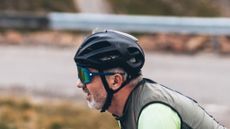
96, 104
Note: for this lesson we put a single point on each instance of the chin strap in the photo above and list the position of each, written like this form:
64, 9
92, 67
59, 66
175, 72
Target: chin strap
109, 95
111, 92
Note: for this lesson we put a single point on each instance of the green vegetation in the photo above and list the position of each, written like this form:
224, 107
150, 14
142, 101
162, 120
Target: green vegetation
22, 114
38, 5
166, 7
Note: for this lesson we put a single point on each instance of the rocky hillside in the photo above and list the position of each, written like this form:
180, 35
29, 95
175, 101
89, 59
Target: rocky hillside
173, 43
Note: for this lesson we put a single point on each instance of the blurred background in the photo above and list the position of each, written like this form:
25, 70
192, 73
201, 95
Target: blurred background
187, 46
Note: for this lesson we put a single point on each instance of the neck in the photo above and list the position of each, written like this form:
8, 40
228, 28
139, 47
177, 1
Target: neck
119, 101
121, 97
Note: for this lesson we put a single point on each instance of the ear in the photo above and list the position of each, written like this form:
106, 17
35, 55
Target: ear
116, 81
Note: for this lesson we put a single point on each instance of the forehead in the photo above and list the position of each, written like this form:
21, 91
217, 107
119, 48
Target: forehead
92, 70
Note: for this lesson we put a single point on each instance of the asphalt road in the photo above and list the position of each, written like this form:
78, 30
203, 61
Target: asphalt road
51, 72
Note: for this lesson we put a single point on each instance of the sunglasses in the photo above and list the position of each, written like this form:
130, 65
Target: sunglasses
86, 76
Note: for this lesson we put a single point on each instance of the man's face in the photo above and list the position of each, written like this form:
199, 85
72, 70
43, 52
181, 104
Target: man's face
95, 91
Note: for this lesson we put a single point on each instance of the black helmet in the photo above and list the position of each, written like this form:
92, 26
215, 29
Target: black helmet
110, 49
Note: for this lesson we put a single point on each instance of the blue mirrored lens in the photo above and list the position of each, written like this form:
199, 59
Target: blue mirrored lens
83, 75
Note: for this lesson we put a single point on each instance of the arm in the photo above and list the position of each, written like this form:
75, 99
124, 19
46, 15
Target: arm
158, 116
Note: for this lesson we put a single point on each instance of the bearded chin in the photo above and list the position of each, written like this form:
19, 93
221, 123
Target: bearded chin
95, 105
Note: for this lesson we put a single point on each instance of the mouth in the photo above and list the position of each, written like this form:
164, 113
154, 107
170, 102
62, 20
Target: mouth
86, 91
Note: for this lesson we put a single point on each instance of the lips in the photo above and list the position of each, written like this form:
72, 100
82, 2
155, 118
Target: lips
87, 92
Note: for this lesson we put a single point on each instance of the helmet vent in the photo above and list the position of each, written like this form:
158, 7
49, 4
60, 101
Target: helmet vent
99, 45
96, 46
132, 50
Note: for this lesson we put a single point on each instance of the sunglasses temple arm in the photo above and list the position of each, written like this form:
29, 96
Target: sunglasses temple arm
100, 73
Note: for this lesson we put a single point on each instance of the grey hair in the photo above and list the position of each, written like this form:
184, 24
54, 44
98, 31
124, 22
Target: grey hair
135, 81
120, 70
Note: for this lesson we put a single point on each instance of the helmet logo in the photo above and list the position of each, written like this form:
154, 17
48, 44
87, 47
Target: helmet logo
133, 60
107, 58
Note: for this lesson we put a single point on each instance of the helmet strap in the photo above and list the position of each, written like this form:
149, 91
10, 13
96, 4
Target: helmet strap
109, 95
111, 92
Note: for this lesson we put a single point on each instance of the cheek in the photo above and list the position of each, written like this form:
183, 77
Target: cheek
100, 94
96, 87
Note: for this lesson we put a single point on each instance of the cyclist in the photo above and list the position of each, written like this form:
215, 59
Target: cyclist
109, 69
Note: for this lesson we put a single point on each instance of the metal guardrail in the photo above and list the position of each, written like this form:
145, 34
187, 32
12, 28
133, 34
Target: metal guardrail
145, 24
127, 23
23, 21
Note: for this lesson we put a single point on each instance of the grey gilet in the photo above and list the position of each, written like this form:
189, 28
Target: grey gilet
191, 114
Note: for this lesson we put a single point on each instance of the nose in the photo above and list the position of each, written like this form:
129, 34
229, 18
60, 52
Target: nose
80, 84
